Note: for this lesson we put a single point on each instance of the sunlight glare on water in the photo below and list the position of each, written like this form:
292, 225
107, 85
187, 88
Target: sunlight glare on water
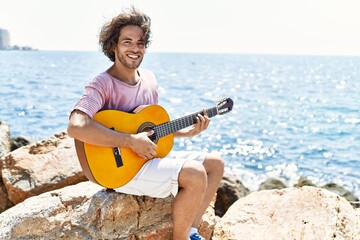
293, 115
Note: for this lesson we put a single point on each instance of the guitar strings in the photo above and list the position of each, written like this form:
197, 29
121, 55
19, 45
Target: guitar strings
167, 128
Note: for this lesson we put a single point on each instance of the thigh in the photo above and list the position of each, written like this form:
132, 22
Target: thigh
159, 176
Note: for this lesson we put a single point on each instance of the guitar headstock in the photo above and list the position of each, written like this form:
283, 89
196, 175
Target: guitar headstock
225, 105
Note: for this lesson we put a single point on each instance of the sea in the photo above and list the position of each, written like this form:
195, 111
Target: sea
293, 116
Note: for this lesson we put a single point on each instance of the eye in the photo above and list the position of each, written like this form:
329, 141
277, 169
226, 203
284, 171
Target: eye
127, 43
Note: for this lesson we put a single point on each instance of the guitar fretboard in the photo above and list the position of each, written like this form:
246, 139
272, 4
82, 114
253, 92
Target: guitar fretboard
181, 123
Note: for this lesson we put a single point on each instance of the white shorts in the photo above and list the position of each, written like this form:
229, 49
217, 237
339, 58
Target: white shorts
159, 177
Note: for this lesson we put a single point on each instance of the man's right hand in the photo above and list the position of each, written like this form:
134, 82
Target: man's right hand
143, 146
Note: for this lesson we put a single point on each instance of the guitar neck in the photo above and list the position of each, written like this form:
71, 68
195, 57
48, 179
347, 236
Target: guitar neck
181, 123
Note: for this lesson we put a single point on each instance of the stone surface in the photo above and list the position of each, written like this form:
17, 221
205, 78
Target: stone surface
41, 167
18, 142
305, 213
5, 202
4, 139
229, 191
87, 211
333, 187
303, 181
271, 183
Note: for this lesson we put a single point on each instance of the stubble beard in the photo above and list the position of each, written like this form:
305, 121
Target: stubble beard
128, 63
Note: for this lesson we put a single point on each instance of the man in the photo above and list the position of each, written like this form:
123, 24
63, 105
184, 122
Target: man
192, 177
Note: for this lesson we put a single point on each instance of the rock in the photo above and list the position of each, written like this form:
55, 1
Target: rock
209, 220
333, 187
5, 202
341, 191
303, 181
355, 204
292, 213
86, 211
229, 191
4, 139
271, 183
41, 167
19, 142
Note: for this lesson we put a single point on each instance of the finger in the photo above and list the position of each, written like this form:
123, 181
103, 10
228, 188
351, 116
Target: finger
200, 123
204, 121
207, 121
201, 117
150, 156
198, 119
205, 113
151, 132
196, 125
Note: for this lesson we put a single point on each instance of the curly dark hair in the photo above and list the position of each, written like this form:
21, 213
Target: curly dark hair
110, 31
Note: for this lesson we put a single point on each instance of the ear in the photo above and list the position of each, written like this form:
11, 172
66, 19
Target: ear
114, 48
114, 52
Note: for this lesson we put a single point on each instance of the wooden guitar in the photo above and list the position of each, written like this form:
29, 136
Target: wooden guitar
114, 167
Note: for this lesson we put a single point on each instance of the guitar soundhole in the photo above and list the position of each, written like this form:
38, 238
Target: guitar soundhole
147, 127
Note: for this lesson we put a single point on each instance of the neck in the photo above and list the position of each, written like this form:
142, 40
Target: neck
123, 74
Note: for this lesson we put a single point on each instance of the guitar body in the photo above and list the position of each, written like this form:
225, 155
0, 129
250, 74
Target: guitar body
114, 167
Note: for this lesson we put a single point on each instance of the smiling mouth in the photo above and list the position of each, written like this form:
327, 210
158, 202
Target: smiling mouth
133, 57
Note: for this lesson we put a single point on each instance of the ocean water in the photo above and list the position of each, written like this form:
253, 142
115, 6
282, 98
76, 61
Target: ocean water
293, 115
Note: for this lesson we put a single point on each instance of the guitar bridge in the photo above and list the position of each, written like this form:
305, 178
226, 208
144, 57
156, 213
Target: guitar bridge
118, 158
117, 155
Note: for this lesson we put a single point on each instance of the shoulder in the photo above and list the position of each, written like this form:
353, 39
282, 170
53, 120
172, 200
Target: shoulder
101, 81
148, 77
102, 78
146, 74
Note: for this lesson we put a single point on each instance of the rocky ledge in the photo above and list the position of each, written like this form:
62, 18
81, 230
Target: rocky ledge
44, 195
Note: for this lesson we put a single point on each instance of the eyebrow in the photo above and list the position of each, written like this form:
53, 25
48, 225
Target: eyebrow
126, 38
129, 38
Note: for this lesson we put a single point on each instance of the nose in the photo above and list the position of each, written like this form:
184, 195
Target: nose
134, 47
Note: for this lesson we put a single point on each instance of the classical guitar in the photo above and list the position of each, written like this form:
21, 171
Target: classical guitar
114, 167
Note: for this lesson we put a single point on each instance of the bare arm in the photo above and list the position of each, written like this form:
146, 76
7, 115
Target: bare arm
85, 129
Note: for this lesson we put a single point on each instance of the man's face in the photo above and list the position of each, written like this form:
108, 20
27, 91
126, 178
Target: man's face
130, 49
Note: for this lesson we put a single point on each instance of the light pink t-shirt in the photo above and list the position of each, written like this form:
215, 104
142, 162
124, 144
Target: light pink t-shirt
106, 92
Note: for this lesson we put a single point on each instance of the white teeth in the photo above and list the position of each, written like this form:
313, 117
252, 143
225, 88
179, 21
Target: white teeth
133, 56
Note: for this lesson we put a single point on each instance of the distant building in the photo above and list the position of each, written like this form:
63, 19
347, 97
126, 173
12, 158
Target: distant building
4, 39
5, 42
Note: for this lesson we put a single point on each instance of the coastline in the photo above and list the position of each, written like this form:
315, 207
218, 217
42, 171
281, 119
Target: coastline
8, 145
34, 188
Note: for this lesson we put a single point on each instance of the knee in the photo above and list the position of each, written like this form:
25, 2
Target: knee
193, 175
214, 164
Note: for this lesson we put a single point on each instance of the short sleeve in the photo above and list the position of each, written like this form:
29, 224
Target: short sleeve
93, 98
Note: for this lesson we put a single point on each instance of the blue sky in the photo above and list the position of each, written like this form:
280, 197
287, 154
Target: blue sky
315, 27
